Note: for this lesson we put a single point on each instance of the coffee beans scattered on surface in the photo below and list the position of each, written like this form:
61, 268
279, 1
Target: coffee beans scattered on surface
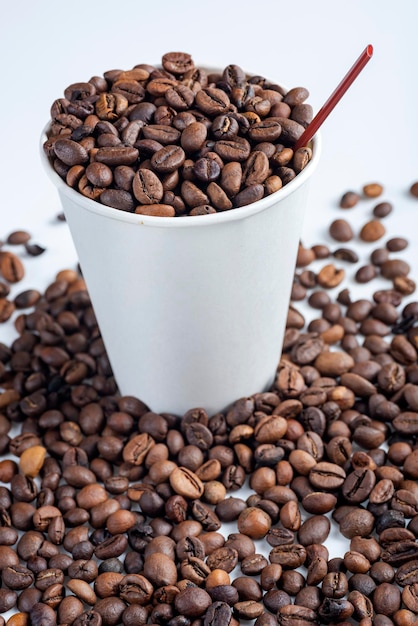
112, 514
178, 139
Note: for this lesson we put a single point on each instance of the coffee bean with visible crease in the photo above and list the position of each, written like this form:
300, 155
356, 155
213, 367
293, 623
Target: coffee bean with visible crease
292, 613
225, 558
205, 515
407, 573
17, 577
117, 155
289, 555
147, 187
206, 169
358, 485
195, 569
218, 614
11, 267
237, 149
212, 101
327, 475
400, 552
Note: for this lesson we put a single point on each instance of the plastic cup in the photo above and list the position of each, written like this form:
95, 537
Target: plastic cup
192, 310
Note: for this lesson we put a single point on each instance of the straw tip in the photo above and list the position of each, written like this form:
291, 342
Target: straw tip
369, 50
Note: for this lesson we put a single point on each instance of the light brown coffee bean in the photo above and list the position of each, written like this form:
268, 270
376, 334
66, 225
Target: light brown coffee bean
254, 523
372, 190
186, 483
31, 460
330, 276
372, 231
11, 267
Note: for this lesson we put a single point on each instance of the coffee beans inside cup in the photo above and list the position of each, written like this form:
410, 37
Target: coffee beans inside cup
178, 139
111, 513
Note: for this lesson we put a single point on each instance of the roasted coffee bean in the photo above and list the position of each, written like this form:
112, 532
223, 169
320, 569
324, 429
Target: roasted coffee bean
218, 614
17, 577
372, 231
192, 601
358, 485
346, 254
340, 230
225, 558
314, 530
11, 267
349, 199
288, 555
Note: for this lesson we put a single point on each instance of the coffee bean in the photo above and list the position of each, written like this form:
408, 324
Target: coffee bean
340, 230
366, 273
372, 190
394, 267
330, 276
32, 460
349, 200
17, 577
7, 308
414, 190
70, 152
217, 614
382, 209
192, 602
346, 254
372, 231
185, 483
18, 237
11, 267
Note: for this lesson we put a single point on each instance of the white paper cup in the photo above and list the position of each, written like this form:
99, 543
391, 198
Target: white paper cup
192, 310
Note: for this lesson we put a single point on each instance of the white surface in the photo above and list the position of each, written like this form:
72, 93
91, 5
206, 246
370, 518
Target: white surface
371, 136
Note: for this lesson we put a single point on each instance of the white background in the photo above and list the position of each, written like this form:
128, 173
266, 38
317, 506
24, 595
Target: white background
372, 135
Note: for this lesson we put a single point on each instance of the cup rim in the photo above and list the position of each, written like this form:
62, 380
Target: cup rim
186, 221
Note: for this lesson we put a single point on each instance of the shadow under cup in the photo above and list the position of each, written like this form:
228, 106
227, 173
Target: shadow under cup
192, 310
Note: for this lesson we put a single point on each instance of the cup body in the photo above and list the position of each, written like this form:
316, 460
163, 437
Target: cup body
192, 310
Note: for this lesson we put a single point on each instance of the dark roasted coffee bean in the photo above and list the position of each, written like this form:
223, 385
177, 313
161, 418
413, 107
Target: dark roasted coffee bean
17, 577
340, 230
289, 555
218, 614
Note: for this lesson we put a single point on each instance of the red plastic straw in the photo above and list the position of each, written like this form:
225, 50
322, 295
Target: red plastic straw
334, 98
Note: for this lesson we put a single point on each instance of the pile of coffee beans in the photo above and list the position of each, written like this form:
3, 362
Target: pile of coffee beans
113, 514
178, 139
